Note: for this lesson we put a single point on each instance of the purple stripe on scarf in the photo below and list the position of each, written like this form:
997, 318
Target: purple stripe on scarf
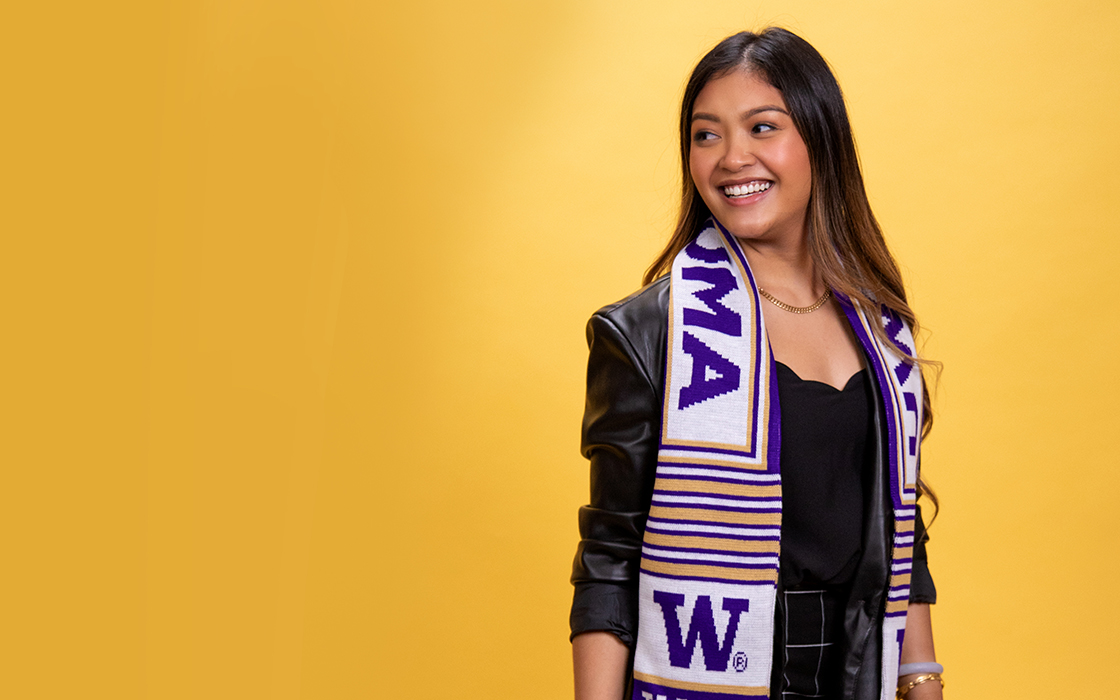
705, 494
715, 450
773, 459
680, 521
706, 562
718, 479
726, 509
693, 533
745, 472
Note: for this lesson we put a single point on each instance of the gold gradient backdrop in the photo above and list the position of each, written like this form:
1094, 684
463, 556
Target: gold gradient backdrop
294, 295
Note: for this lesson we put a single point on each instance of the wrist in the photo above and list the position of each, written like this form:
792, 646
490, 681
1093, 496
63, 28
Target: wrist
926, 691
921, 686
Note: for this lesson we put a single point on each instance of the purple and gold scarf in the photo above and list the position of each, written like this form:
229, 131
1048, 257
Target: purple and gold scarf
709, 567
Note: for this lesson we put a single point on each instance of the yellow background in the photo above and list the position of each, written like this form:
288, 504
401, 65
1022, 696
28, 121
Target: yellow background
293, 300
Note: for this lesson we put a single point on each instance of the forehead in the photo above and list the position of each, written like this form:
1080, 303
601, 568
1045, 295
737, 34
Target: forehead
737, 92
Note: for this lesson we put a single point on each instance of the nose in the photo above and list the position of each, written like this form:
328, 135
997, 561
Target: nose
739, 153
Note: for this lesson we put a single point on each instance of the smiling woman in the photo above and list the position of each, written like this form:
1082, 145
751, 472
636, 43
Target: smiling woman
753, 420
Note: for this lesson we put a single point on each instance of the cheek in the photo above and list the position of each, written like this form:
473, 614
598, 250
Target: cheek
799, 163
711, 198
701, 170
797, 174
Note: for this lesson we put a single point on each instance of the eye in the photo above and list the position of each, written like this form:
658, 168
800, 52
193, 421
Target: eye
701, 136
762, 128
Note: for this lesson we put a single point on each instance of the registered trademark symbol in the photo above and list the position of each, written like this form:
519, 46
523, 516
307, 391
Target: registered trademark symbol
740, 661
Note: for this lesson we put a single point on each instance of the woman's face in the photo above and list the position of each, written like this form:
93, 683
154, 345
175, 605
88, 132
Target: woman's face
747, 160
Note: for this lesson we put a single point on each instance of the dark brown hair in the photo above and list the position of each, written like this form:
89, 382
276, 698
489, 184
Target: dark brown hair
845, 241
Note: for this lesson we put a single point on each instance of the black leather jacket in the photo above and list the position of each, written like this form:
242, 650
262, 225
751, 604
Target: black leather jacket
621, 427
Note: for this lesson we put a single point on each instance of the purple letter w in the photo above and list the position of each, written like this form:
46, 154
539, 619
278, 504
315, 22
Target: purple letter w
702, 627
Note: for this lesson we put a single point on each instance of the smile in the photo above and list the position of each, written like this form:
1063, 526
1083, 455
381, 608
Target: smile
747, 189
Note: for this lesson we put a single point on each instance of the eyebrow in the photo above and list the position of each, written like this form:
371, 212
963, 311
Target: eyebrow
746, 115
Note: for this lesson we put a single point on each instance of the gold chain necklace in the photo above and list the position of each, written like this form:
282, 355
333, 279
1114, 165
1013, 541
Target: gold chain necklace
796, 309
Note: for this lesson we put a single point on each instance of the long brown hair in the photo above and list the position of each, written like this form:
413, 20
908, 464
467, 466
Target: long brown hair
845, 241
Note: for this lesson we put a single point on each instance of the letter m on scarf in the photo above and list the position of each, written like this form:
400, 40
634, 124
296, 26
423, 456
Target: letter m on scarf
702, 627
721, 318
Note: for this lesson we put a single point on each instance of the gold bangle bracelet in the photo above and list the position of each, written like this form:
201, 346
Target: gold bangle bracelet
903, 692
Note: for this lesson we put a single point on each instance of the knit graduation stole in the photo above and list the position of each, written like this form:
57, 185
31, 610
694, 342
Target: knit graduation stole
709, 566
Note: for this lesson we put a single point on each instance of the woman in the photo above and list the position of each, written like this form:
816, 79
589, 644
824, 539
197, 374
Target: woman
753, 417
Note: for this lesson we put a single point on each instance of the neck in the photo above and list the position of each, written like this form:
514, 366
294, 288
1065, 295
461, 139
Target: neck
785, 268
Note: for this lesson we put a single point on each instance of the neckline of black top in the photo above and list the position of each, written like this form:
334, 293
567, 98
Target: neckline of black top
855, 378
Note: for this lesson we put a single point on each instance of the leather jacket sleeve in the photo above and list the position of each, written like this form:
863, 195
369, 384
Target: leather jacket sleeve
922, 589
621, 429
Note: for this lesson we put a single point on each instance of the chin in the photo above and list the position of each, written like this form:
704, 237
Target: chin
745, 230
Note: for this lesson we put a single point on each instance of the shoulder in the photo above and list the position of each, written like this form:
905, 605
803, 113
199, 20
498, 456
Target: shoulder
636, 328
642, 312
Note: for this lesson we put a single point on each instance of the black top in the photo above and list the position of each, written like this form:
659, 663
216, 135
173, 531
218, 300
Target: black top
825, 462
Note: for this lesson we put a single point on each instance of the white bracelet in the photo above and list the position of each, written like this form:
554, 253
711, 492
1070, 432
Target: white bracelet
920, 667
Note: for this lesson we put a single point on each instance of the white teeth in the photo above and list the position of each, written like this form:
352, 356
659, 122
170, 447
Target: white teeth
747, 189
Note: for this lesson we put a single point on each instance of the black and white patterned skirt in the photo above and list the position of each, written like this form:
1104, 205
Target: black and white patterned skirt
809, 627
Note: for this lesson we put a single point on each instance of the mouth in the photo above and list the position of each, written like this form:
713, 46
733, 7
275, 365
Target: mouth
746, 189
